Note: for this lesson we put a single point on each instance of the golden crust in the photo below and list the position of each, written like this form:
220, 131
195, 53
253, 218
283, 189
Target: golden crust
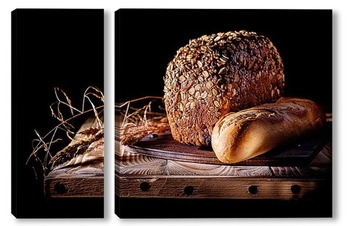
254, 131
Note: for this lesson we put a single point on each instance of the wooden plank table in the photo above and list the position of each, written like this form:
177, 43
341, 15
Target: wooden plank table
83, 181
82, 176
142, 176
162, 178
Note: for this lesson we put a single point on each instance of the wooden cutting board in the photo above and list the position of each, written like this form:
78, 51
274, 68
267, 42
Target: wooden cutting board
163, 146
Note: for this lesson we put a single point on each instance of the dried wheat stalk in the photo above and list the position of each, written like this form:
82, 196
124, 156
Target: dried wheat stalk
137, 123
80, 141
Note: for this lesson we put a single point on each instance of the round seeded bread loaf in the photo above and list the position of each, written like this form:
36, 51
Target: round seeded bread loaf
216, 74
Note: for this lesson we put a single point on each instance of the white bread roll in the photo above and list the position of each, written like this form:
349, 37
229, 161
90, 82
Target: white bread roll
251, 132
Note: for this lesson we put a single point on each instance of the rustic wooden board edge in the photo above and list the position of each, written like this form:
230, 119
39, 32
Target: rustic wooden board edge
77, 187
225, 188
78, 181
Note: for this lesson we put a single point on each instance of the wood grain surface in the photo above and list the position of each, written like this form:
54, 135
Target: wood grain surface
82, 181
82, 175
144, 176
163, 168
164, 146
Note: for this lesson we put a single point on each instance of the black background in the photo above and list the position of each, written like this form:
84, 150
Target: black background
50, 48
147, 39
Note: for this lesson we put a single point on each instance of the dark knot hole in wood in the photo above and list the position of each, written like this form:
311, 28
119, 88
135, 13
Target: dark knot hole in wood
188, 190
295, 189
253, 189
60, 188
145, 186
